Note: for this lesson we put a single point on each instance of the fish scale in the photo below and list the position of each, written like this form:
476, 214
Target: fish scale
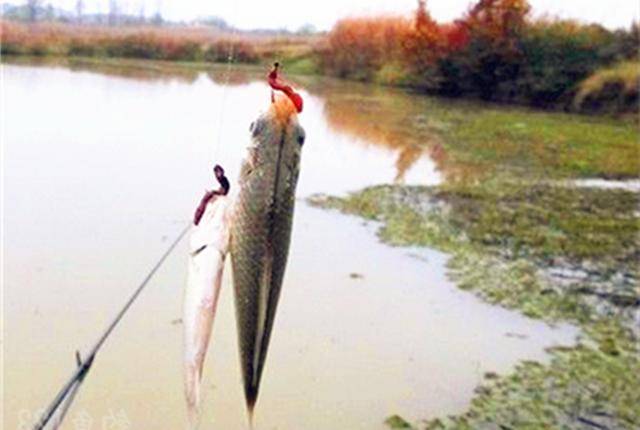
261, 233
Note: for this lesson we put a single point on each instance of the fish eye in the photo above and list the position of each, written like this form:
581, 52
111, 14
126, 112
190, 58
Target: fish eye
256, 127
301, 137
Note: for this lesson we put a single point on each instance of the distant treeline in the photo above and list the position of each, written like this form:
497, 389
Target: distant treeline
120, 14
494, 52
188, 44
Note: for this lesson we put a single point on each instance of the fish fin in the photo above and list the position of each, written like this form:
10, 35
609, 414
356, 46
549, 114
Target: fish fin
250, 409
193, 378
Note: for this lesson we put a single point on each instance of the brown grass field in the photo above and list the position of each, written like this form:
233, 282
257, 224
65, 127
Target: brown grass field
148, 42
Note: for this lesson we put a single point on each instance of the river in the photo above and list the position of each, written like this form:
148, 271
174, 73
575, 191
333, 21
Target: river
103, 167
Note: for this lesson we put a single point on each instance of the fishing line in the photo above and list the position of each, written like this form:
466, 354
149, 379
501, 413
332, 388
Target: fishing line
227, 76
69, 389
66, 395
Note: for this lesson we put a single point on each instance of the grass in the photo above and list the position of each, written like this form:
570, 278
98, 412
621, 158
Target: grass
478, 142
558, 145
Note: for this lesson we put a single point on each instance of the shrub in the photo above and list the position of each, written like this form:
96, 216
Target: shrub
491, 61
423, 46
494, 52
222, 50
613, 89
557, 55
626, 43
359, 47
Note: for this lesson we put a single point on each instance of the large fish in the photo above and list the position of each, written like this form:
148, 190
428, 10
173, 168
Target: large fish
208, 248
260, 233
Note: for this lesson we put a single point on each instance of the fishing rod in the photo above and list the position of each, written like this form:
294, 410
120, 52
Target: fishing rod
68, 391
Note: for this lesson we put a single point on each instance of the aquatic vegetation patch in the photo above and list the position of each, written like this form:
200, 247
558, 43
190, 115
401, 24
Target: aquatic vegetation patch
549, 251
553, 253
547, 222
397, 422
582, 387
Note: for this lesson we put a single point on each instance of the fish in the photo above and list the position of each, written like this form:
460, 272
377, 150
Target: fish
263, 213
208, 248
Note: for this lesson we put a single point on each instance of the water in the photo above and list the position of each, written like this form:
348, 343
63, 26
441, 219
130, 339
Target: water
102, 168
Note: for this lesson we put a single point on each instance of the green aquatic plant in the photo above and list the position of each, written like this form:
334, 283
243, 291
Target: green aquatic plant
397, 422
507, 242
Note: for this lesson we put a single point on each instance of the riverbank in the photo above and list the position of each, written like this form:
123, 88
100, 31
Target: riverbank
554, 253
197, 45
579, 68
533, 221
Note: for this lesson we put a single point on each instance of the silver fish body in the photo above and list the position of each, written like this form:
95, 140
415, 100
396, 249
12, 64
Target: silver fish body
261, 232
207, 251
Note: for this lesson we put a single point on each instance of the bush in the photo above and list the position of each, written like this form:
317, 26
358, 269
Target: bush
221, 51
495, 52
422, 47
557, 55
490, 63
614, 90
358, 48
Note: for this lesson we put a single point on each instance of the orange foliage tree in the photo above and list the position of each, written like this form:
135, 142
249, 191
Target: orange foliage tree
423, 46
492, 61
359, 47
501, 21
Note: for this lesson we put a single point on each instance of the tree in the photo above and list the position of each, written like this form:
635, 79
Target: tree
113, 12
141, 14
79, 10
500, 20
157, 17
423, 47
307, 29
495, 56
32, 9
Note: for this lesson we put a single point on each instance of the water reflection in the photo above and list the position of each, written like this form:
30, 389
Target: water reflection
130, 69
372, 118
387, 121
231, 76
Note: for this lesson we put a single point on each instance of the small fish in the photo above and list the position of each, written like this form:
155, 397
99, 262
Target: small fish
208, 248
261, 232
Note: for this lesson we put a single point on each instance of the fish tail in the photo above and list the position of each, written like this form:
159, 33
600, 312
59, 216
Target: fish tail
192, 391
250, 409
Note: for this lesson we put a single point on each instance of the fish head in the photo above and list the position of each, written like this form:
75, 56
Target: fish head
277, 140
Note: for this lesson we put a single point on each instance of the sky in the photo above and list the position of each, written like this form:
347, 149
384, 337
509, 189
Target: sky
322, 14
